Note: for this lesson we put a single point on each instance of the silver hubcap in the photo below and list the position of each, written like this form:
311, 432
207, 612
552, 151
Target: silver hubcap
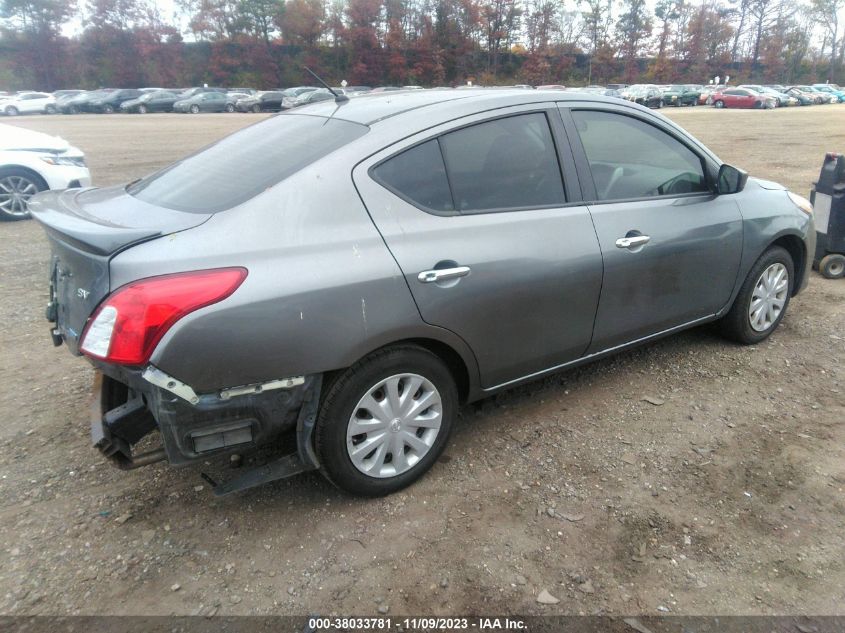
15, 192
836, 268
769, 297
394, 425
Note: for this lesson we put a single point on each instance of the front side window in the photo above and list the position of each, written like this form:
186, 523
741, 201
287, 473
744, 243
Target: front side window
631, 159
507, 163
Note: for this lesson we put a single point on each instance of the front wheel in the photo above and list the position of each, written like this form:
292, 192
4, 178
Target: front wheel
107, 109
256, 108
719, 104
385, 420
762, 301
17, 186
142, 109
50, 109
11, 111
195, 109
230, 107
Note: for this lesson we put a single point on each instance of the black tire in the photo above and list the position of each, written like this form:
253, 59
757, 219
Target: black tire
343, 395
736, 324
230, 107
719, 104
832, 266
17, 173
107, 109
11, 111
195, 109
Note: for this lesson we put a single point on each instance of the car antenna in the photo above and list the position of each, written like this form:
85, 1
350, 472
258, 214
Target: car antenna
337, 98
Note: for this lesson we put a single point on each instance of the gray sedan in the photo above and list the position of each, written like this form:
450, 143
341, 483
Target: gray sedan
343, 276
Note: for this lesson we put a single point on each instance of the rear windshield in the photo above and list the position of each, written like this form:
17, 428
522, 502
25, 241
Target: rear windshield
246, 163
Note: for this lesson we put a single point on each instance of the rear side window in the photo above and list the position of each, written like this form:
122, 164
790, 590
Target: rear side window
507, 163
246, 163
419, 175
631, 159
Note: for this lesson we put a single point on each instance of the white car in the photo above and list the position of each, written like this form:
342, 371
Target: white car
28, 103
31, 162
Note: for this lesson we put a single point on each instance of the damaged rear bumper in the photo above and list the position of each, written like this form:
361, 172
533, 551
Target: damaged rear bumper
129, 404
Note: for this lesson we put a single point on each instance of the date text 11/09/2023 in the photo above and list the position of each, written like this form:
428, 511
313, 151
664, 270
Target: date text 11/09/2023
416, 624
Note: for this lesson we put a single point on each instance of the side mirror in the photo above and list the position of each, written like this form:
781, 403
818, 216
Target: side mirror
731, 179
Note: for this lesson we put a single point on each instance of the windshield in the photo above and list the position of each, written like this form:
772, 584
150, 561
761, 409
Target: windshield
246, 163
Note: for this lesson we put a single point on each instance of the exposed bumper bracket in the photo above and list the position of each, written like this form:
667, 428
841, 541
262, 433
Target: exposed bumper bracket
303, 460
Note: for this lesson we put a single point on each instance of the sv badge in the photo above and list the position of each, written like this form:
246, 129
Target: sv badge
82, 293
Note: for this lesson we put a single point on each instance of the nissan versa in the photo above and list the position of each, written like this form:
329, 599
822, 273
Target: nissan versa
355, 269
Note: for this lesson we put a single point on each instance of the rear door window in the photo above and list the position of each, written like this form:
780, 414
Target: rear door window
507, 163
246, 163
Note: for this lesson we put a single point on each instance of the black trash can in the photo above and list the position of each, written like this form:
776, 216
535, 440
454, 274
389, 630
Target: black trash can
828, 198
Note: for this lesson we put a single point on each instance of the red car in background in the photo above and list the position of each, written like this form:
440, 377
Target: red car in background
741, 98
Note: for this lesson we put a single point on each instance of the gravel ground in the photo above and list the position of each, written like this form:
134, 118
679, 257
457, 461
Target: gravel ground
690, 476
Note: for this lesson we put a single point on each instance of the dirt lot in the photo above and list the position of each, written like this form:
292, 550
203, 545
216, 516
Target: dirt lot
725, 499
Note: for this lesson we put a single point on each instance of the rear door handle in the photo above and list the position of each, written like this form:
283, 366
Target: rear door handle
633, 241
442, 274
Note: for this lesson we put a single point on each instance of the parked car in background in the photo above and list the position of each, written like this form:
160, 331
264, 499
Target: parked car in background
291, 94
187, 93
680, 95
155, 101
646, 95
831, 89
819, 97
232, 99
315, 96
31, 162
28, 103
741, 98
434, 207
269, 101
110, 101
74, 104
202, 102
247, 91
552, 87
66, 94
803, 98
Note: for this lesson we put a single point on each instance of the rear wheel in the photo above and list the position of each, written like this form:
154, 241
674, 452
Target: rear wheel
108, 109
11, 111
256, 108
385, 420
832, 266
230, 107
762, 301
17, 186
50, 109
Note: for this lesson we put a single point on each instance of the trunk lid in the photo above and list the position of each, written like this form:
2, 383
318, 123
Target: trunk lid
86, 228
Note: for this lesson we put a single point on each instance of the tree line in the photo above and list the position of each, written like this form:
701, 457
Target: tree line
52, 44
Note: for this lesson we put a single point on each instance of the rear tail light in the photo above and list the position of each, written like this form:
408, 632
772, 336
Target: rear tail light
129, 324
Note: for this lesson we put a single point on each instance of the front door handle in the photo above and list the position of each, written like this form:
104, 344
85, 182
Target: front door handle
442, 274
632, 242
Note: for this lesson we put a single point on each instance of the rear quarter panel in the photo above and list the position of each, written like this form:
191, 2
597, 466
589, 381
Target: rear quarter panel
322, 290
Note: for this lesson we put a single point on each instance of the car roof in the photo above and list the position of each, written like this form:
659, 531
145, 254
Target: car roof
371, 108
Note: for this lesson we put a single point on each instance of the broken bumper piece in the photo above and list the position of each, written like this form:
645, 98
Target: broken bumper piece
130, 404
